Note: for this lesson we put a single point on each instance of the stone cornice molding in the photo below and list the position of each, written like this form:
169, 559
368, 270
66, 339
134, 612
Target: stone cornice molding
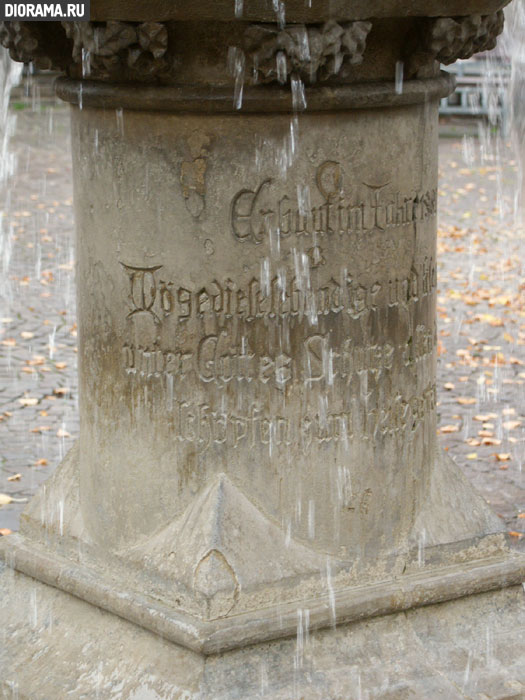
256, 99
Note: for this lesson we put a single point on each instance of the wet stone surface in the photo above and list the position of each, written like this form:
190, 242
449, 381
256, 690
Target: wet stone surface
481, 317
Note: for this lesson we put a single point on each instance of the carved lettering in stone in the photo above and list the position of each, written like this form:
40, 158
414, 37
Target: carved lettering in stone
420, 346
255, 213
326, 365
280, 297
204, 426
218, 360
143, 289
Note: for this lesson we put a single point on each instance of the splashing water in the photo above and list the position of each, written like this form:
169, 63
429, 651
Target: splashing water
512, 41
281, 67
236, 64
298, 95
10, 73
399, 77
86, 63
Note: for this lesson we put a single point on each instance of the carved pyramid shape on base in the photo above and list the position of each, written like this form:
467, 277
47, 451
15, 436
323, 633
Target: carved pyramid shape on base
223, 544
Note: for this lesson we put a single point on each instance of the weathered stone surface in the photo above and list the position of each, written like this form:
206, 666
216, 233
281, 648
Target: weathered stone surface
257, 347
37, 42
470, 648
120, 50
286, 322
448, 39
163, 50
309, 53
297, 11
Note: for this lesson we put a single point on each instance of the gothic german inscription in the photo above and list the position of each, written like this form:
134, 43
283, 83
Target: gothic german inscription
261, 210
282, 296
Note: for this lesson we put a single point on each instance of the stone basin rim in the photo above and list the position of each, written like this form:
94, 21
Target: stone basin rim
353, 604
258, 99
296, 10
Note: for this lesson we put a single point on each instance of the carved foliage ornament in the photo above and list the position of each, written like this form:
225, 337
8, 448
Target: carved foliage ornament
120, 50
36, 42
101, 50
311, 53
448, 39
133, 51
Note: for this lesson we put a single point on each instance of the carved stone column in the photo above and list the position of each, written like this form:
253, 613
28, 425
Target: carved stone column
256, 242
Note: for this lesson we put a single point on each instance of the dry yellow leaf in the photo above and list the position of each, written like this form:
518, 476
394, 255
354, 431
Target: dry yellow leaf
503, 456
466, 400
14, 477
472, 455
449, 429
511, 424
6, 499
28, 401
41, 462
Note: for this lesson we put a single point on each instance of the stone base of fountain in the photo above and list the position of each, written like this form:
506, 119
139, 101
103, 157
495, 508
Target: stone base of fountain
177, 584
59, 646
443, 620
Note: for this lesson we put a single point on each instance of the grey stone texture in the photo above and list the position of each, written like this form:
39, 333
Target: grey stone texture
59, 646
257, 456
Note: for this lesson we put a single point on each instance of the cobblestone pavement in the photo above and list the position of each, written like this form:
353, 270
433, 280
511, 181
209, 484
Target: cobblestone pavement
481, 324
38, 407
481, 317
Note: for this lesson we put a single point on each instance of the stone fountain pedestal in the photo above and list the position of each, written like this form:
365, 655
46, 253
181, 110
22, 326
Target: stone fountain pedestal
256, 505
